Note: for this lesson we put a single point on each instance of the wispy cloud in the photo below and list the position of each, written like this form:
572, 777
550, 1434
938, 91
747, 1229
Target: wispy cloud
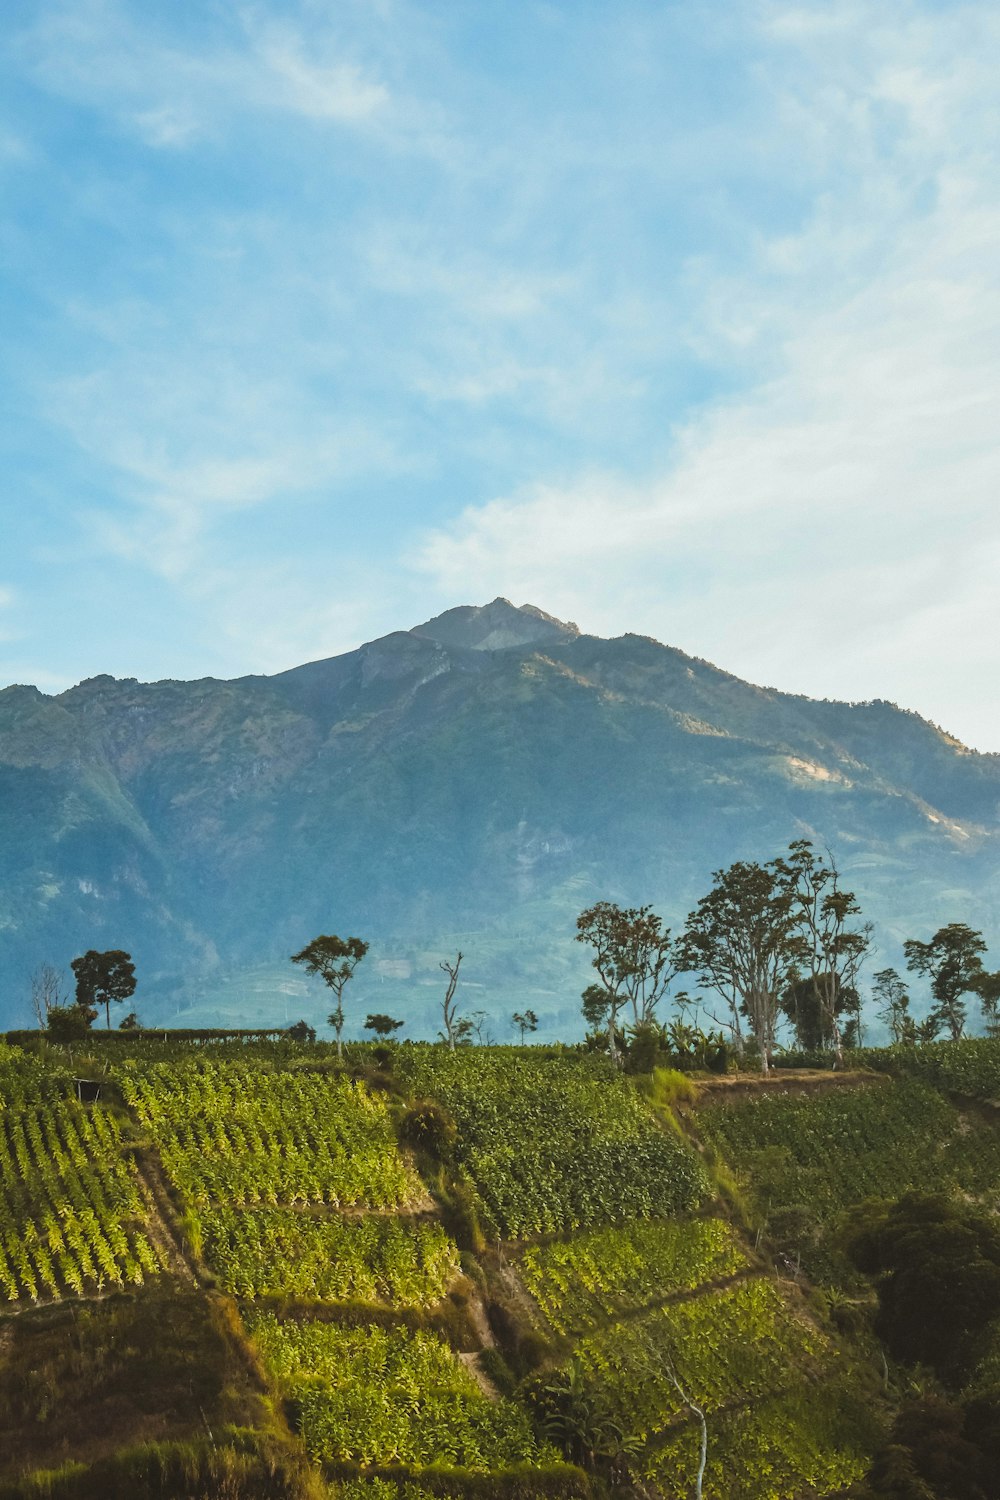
101, 53
833, 528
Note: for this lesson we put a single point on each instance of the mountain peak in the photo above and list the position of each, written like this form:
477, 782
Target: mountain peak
495, 626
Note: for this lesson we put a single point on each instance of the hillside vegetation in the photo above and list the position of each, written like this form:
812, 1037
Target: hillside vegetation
251, 1269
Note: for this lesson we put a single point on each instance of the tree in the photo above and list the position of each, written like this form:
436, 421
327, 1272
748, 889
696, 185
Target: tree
937, 1270
382, 1025
951, 960
892, 998
48, 990
633, 959
103, 978
830, 949
301, 1031
526, 1021
69, 1023
742, 941
806, 1007
334, 959
454, 1030
130, 1022
988, 990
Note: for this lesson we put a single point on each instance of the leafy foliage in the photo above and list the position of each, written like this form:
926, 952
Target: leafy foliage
231, 1133
555, 1143
831, 1150
607, 1272
282, 1252
391, 1396
71, 1217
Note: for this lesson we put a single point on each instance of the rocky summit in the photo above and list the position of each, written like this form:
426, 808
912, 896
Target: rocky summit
468, 784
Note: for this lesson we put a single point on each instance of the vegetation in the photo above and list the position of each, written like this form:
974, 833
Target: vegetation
231, 1133
71, 1216
334, 959
285, 1253
552, 1143
103, 979
376, 1395
603, 1274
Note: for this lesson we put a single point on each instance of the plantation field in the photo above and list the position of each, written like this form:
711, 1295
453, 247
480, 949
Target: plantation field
383, 1396
71, 1215
759, 1371
555, 1144
970, 1067
602, 1274
828, 1151
281, 1252
229, 1132
812, 1441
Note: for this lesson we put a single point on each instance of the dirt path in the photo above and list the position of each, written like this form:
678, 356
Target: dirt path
160, 1218
783, 1081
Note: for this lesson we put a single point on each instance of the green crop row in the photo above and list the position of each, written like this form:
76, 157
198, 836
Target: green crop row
555, 1144
970, 1067
382, 1396
282, 1252
229, 1133
740, 1343
70, 1210
604, 1273
828, 1151
816, 1439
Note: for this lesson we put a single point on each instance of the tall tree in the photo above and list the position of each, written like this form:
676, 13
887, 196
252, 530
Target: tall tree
525, 1021
334, 959
831, 947
455, 1030
633, 959
103, 979
892, 999
742, 941
952, 962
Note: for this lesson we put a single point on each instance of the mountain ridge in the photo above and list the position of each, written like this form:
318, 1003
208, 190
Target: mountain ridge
485, 773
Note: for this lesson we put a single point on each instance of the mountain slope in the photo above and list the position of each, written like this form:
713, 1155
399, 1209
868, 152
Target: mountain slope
472, 782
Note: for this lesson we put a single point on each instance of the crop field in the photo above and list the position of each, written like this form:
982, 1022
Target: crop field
230, 1133
71, 1216
970, 1067
831, 1150
555, 1144
602, 1274
370, 1258
814, 1440
383, 1396
758, 1369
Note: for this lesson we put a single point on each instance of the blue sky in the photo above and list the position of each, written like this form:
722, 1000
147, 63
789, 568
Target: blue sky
316, 319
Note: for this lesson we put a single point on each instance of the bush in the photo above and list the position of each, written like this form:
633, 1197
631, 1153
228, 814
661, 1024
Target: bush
430, 1126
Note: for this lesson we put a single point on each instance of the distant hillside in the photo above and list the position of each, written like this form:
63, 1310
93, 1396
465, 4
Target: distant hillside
470, 783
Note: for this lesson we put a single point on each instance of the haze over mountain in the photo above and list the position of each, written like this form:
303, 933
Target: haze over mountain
471, 783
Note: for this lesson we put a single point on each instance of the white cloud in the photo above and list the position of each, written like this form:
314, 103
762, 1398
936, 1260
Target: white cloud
834, 529
97, 52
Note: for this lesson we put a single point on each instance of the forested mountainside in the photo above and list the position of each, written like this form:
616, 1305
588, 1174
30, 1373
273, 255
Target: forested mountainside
472, 782
255, 1270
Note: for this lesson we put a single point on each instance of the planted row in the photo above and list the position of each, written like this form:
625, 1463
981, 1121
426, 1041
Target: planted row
379, 1396
230, 1133
604, 1273
70, 1210
281, 1252
555, 1143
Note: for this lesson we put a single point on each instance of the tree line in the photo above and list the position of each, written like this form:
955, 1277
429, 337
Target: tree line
770, 943
773, 941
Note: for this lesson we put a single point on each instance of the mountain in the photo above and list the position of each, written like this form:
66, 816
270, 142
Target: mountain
471, 783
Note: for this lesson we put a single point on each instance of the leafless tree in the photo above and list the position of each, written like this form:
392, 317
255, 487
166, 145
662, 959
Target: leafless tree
48, 990
454, 1029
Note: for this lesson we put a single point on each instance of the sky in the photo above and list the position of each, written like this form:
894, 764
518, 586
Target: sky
676, 318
